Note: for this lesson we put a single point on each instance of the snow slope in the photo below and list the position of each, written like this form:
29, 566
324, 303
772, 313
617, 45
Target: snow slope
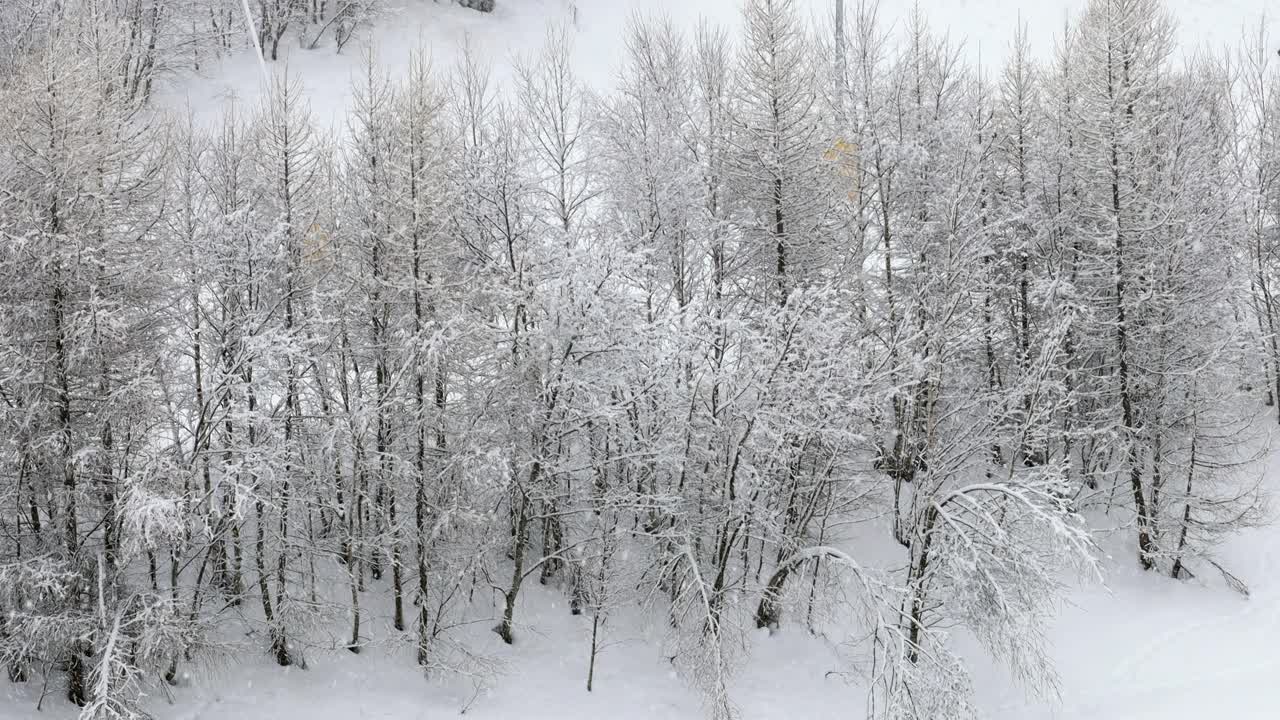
517, 27
1148, 648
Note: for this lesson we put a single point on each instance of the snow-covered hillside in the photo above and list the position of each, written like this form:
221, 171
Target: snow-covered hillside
517, 27
1141, 647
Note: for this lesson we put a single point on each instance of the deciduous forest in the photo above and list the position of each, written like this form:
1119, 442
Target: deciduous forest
691, 345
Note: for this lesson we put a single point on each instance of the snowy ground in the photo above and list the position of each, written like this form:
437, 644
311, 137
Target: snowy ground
542, 676
1144, 647
1148, 648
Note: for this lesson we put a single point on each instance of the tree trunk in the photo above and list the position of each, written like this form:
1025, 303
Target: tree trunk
517, 566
